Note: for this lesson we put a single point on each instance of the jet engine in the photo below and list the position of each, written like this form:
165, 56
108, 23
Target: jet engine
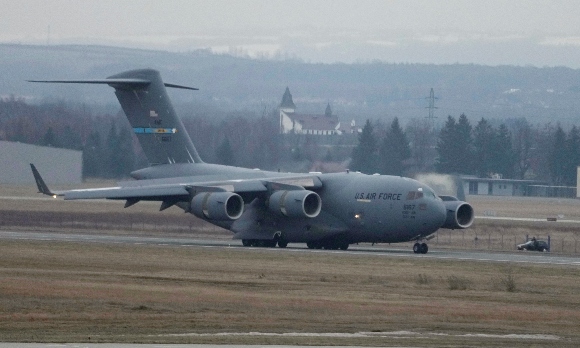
295, 203
217, 205
459, 214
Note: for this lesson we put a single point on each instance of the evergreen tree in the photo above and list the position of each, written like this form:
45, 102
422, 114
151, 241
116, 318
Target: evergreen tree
464, 146
364, 155
225, 153
503, 153
126, 153
71, 139
121, 156
558, 157
522, 147
484, 138
394, 150
49, 139
572, 157
447, 148
93, 156
422, 140
454, 147
112, 153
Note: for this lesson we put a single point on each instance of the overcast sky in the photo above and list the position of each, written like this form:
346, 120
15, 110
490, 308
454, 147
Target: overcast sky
490, 32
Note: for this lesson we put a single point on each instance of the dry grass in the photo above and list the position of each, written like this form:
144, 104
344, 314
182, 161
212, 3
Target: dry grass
58, 291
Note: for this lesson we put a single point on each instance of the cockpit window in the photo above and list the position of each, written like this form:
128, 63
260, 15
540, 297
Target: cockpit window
429, 194
414, 195
420, 193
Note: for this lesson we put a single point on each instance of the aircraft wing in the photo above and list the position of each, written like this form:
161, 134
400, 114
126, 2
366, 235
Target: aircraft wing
174, 190
150, 192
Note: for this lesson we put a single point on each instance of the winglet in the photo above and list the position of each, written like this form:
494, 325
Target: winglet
42, 188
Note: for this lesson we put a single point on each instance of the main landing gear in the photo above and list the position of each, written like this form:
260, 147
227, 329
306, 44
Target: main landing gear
264, 243
328, 245
420, 248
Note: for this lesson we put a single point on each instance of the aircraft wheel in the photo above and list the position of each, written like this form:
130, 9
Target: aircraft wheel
344, 246
246, 242
424, 248
416, 248
282, 243
310, 245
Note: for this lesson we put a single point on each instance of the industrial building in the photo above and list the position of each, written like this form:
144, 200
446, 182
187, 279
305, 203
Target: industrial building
57, 166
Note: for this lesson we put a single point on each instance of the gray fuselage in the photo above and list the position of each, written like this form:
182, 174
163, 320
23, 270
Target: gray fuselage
355, 207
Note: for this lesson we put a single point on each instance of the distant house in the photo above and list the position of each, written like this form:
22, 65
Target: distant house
316, 124
57, 166
501, 187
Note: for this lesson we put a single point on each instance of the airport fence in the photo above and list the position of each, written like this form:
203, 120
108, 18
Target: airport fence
474, 239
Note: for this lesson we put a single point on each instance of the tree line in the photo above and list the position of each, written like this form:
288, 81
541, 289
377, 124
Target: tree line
512, 149
111, 150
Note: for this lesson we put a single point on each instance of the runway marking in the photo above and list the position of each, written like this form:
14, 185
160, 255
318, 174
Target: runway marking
391, 334
507, 218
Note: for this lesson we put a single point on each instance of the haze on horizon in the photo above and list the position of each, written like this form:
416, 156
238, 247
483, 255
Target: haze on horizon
487, 32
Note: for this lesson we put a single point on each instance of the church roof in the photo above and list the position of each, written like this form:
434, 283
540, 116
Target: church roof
316, 122
328, 111
287, 101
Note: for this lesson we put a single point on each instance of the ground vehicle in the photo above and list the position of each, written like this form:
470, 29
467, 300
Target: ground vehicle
534, 245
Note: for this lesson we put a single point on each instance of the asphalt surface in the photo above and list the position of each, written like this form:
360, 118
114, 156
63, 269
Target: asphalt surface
374, 251
131, 345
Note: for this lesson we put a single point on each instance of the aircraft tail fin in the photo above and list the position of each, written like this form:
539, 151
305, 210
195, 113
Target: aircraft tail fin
144, 100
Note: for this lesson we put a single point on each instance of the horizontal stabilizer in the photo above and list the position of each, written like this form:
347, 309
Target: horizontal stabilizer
116, 83
172, 85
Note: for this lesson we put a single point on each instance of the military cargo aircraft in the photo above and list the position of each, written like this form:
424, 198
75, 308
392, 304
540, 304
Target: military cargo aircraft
264, 208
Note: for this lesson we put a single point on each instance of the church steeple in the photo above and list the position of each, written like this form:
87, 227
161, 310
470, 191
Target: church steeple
287, 102
328, 111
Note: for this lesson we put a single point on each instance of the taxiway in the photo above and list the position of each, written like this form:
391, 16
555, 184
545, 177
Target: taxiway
381, 250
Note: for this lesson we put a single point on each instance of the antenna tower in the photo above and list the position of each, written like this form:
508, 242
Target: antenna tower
431, 106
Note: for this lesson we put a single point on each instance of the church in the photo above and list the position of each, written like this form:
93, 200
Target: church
316, 124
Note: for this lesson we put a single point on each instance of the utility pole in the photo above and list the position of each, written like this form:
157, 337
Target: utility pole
431, 107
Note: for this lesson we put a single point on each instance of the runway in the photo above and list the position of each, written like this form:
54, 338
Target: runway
368, 250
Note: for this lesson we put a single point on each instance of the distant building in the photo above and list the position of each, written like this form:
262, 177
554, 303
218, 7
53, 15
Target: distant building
316, 124
57, 166
503, 187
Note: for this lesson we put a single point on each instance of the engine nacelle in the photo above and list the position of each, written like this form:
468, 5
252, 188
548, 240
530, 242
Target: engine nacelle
295, 203
459, 215
217, 205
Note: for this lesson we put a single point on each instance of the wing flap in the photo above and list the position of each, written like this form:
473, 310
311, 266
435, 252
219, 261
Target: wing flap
142, 193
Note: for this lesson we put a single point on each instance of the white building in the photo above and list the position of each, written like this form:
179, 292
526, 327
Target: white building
499, 187
316, 124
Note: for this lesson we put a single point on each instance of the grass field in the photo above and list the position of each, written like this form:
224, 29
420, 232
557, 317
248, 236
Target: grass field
72, 292
69, 292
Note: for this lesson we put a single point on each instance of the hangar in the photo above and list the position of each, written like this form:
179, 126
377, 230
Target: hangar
62, 166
